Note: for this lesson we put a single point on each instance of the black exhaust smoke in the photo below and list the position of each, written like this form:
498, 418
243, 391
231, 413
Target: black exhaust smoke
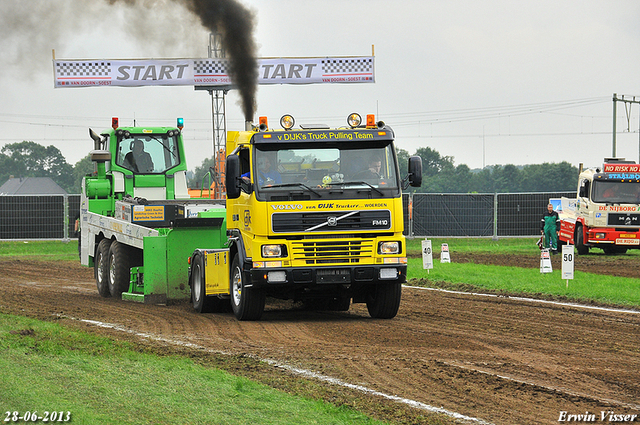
235, 23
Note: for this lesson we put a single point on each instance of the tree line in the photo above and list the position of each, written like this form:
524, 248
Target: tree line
439, 173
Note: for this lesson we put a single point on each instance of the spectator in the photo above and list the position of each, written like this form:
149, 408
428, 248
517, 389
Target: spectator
550, 227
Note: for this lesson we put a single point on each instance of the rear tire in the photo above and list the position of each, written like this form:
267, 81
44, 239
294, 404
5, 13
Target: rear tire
246, 303
384, 300
202, 303
579, 238
119, 269
101, 267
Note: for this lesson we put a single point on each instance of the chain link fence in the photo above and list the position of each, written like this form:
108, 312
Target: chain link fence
476, 214
425, 214
31, 217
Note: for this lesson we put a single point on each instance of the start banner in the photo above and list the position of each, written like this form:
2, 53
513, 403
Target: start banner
210, 72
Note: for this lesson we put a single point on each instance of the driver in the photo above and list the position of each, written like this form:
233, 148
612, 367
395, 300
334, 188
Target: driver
372, 171
266, 175
138, 159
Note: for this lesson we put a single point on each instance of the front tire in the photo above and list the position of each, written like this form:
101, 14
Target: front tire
101, 267
384, 300
246, 303
119, 269
579, 238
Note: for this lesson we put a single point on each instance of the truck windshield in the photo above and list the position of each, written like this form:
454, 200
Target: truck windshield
615, 192
148, 153
322, 172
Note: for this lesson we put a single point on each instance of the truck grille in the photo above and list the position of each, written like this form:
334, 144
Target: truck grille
617, 219
332, 252
331, 221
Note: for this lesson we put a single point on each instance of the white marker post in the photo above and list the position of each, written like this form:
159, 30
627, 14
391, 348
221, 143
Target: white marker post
444, 254
545, 261
567, 262
427, 255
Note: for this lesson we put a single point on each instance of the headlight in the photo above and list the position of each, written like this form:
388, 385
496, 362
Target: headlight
600, 236
271, 251
389, 247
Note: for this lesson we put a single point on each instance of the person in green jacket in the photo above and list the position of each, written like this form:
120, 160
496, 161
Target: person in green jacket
549, 227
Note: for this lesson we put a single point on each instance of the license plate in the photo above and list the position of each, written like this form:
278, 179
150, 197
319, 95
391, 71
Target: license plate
333, 276
627, 241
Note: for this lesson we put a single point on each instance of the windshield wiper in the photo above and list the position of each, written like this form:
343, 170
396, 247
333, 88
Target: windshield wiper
165, 146
291, 185
362, 182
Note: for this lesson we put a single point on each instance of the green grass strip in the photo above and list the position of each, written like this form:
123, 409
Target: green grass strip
46, 367
585, 286
503, 246
41, 250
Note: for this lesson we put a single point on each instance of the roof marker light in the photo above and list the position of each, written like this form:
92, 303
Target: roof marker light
371, 121
180, 123
354, 120
263, 124
287, 122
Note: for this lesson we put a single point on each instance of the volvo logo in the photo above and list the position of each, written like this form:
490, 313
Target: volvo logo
332, 221
287, 207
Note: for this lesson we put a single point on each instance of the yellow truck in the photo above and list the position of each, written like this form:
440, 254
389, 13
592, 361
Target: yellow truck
313, 214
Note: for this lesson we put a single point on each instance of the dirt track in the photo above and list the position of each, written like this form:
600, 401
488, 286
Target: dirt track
496, 359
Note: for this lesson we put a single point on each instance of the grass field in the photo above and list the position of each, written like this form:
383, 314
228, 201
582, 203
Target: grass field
584, 287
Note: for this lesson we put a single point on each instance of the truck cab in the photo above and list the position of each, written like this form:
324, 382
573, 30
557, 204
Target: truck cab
315, 214
138, 223
606, 212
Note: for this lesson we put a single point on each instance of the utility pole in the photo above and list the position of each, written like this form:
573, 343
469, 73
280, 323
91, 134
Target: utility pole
627, 107
613, 142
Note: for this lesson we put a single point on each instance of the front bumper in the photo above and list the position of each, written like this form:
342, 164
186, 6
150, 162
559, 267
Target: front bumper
318, 276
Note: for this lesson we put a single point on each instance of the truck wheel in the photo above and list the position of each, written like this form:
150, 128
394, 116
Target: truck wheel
384, 300
119, 269
101, 267
201, 302
341, 303
247, 303
613, 250
579, 238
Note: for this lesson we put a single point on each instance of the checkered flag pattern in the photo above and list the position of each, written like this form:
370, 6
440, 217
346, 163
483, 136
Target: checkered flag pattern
210, 67
347, 66
83, 69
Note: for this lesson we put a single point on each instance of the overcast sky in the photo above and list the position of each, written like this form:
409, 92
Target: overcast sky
485, 82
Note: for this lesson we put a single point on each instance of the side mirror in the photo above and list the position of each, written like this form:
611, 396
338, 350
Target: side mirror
232, 177
415, 171
583, 192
